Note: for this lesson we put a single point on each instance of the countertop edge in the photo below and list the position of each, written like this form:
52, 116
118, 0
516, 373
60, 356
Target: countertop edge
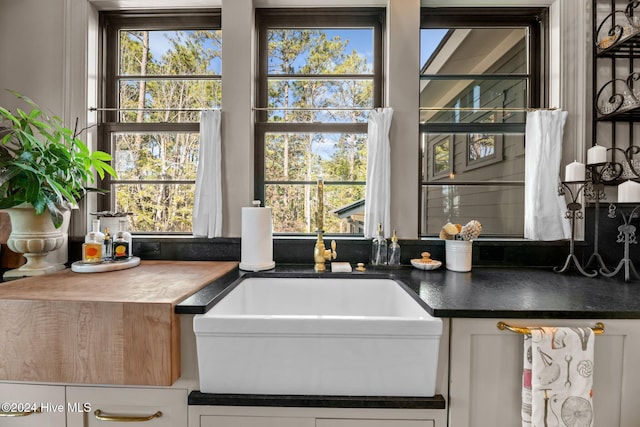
317, 401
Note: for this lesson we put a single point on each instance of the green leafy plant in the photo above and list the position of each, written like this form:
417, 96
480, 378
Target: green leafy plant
44, 163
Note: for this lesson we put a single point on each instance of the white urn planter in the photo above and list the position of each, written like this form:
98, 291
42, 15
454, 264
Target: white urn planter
34, 236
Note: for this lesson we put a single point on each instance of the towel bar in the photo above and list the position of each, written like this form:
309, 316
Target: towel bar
598, 329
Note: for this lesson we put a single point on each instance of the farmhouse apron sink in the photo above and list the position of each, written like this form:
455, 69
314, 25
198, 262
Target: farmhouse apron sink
318, 336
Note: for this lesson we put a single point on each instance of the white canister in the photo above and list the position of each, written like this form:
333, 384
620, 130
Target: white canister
458, 255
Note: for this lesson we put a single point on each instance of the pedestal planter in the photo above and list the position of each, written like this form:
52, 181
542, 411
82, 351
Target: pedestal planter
34, 236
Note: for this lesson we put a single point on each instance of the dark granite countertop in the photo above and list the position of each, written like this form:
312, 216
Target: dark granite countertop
482, 293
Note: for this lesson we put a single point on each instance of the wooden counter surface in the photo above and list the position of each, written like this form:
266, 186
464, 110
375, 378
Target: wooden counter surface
167, 282
116, 327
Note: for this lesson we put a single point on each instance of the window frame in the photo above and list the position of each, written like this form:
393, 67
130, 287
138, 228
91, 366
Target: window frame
110, 24
267, 18
535, 19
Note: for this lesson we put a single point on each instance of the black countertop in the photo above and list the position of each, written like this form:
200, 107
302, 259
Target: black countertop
482, 293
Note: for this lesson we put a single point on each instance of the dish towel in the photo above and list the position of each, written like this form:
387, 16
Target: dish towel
557, 378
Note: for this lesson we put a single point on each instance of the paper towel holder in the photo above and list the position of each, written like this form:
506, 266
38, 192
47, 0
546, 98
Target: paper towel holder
256, 244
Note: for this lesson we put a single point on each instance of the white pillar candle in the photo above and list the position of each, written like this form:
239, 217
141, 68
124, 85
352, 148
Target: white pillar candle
574, 172
596, 154
629, 192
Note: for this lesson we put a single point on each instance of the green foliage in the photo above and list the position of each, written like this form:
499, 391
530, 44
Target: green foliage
44, 163
170, 156
303, 156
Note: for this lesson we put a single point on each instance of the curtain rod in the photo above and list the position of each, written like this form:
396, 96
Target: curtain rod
323, 109
598, 329
152, 109
313, 108
254, 109
484, 109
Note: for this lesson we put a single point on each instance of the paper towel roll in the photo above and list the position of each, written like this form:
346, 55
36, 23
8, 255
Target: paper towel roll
256, 246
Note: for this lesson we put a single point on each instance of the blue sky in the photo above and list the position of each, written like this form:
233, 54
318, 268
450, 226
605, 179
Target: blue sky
159, 44
429, 40
360, 40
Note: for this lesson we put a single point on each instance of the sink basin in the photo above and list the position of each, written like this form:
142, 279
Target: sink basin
318, 336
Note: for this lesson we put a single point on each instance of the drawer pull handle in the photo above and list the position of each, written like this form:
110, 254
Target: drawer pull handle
20, 414
597, 330
125, 418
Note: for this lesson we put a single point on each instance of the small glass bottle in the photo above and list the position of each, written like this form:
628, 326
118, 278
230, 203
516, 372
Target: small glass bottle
120, 249
107, 246
379, 248
92, 249
122, 226
95, 228
394, 250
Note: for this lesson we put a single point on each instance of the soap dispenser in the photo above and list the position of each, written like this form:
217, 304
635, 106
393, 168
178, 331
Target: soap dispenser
394, 250
379, 248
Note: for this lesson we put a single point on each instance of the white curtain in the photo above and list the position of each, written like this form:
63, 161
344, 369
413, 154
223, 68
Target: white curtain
544, 209
207, 207
377, 205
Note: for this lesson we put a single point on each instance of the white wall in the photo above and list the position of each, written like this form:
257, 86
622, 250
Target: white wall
48, 50
31, 47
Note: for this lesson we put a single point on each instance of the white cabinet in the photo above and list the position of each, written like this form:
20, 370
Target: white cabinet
486, 372
25, 405
373, 423
257, 421
143, 406
239, 421
245, 416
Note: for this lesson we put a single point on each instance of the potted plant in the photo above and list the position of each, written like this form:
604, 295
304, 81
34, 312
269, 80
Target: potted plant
44, 170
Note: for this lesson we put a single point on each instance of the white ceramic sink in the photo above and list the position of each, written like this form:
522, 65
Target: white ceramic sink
319, 336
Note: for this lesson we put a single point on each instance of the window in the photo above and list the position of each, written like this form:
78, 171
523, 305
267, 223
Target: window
319, 75
480, 70
160, 70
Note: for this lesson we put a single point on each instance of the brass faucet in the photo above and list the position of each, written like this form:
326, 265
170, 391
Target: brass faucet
320, 253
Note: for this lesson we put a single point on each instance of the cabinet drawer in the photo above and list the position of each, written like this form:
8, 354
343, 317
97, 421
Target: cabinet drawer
373, 423
143, 406
20, 400
234, 421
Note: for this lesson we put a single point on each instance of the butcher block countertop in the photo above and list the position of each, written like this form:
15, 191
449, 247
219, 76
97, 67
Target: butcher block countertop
158, 282
117, 327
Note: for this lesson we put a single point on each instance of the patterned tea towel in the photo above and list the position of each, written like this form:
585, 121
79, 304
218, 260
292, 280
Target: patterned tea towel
557, 378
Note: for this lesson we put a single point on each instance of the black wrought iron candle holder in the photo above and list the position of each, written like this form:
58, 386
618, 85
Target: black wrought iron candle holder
597, 175
574, 211
626, 234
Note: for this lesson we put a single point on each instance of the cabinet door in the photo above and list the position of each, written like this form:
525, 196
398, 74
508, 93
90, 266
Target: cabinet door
486, 372
25, 405
373, 423
233, 421
93, 406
